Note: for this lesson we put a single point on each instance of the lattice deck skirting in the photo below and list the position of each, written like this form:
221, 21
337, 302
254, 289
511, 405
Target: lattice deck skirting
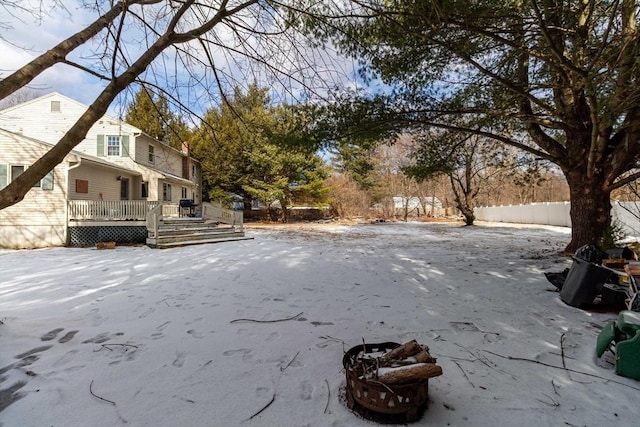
89, 236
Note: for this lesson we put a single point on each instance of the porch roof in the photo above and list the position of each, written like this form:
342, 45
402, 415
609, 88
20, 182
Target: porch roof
167, 175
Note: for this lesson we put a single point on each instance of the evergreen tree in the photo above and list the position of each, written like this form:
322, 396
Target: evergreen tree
151, 113
559, 80
251, 149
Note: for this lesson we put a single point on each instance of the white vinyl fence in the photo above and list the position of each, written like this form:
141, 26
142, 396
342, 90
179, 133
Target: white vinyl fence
557, 214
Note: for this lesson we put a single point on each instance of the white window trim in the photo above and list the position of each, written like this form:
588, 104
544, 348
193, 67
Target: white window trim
50, 176
112, 138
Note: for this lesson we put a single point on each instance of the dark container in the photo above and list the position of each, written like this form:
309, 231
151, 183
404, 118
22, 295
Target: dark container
583, 283
614, 296
624, 253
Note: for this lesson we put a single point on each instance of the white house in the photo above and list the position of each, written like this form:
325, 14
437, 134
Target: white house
116, 173
165, 174
416, 203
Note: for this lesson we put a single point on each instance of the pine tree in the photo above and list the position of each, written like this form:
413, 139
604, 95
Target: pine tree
252, 149
151, 113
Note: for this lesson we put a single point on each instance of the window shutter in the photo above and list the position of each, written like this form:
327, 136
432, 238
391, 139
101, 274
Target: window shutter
125, 146
100, 149
3, 175
47, 181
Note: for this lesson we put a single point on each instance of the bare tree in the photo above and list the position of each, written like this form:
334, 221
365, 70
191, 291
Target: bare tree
207, 46
22, 95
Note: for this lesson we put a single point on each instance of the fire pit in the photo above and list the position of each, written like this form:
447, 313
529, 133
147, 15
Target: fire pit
374, 399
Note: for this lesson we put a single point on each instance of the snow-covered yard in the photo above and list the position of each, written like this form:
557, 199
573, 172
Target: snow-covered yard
167, 337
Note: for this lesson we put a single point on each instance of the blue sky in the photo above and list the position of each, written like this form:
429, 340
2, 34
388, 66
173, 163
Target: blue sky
26, 36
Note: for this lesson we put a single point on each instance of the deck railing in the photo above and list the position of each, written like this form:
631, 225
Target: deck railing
224, 216
170, 210
109, 210
143, 210
154, 217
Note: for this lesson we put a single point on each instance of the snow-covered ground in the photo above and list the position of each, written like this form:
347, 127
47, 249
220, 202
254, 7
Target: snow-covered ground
166, 337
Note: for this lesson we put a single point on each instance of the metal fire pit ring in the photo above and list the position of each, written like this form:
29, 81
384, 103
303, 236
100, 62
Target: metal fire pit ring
381, 402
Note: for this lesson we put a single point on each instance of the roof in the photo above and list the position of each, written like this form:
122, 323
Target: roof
166, 174
66, 99
135, 130
79, 154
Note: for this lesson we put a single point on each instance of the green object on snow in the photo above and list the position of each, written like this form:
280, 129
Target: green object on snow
625, 332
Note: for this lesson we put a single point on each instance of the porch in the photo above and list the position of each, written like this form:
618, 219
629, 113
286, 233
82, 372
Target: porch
158, 224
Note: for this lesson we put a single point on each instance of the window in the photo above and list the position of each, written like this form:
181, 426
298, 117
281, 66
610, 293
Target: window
193, 171
152, 155
113, 145
184, 192
45, 183
55, 106
3, 175
144, 191
16, 171
166, 192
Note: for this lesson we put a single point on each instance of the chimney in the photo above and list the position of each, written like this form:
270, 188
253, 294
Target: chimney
185, 148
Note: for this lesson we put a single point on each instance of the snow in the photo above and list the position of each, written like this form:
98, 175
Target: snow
169, 336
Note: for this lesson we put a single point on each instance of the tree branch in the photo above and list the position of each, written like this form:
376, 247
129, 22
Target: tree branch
58, 53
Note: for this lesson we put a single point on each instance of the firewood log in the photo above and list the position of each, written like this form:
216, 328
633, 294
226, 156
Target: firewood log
405, 350
410, 373
424, 357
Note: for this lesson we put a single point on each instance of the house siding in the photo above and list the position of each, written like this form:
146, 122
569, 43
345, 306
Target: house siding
36, 120
103, 183
167, 159
39, 220
87, 173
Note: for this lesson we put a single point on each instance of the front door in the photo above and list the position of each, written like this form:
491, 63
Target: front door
124, 189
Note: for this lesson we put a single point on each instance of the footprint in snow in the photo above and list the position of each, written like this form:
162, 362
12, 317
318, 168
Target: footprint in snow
306, 390
195, 334
179, 360
163, 326
51, 334
67, 337
33, 351
245, 352
102, 337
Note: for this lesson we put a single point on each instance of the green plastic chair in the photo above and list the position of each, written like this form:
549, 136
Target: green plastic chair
625, 333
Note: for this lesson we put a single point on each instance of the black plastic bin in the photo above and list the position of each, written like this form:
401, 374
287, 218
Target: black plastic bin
583, 283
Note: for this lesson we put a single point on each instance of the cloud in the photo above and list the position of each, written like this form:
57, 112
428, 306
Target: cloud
293, 71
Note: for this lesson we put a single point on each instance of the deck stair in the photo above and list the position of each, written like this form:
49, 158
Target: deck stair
173, 232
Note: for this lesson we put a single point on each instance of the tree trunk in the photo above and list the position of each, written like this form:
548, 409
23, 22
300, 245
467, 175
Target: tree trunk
590, 211
247, 202
468, 214
464, 201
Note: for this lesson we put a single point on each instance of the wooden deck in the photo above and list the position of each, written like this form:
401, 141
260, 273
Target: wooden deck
110, 210
158, 218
